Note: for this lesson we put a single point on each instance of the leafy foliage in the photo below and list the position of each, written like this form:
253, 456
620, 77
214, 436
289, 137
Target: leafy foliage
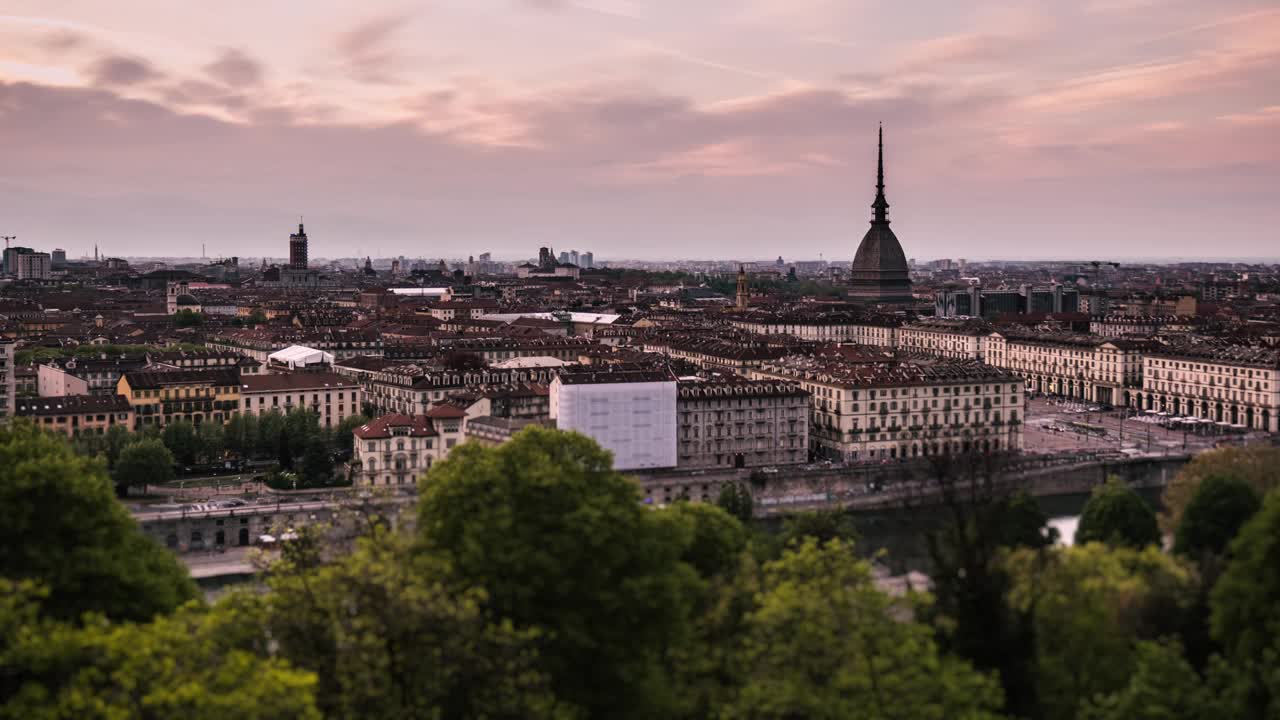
1117, 515
65, 529
559, 541
1217, 510
821, 641
143, 463
1254, 464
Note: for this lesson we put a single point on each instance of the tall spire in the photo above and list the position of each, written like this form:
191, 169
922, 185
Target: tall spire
881, 206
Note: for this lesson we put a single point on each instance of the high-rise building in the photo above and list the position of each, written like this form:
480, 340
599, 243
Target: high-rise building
564, 257
11, 255
58, 258
588, 260
33, 266
573, 257
8, 380
879, 272
298, 249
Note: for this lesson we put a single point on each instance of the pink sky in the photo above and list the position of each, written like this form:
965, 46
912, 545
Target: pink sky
633, 128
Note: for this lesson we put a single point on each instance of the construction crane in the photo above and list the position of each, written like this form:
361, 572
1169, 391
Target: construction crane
7, 238
1098, 263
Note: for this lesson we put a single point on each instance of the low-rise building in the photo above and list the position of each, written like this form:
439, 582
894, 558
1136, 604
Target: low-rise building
333, 397
1079, 366
741, 423
398, 449
77, 414
159, 398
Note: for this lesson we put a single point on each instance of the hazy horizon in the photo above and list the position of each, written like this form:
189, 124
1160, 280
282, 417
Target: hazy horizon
641, 129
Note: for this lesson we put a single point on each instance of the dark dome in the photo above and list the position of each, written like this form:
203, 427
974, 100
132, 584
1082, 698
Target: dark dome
880, 252
187, 300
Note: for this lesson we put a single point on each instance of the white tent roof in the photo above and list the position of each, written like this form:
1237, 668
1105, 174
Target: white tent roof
422, 291
577, 317
300, 356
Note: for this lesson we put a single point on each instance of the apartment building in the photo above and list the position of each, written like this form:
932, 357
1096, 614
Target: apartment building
741, 423
412, 388
8, 381
81, 376
945, 337
77, 414
1084, 367
159, 398
333, 397
872, 411
823, 327
397, 449
1229, 385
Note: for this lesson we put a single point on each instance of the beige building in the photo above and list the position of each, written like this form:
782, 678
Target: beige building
735, 424
1084, 367
1237, 386
398, 449
8, 380
333, 397
872, 411
823, 327
945, 337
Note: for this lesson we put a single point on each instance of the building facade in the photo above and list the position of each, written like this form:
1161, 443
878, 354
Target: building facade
332, 397
159, 398
398, 449
630, 411
78, 414
1237, 386
1077, 366
878, 411
739, 424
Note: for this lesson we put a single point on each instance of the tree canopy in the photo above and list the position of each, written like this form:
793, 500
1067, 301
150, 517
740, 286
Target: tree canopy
65, 529
1254, 464
1220, 506
142, 463
1117, 515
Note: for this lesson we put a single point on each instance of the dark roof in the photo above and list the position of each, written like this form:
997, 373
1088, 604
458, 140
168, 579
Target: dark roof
294, 381
153, 379
71, 404
418, 425
599, 375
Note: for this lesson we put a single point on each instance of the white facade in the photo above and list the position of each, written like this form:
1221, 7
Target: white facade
636, 421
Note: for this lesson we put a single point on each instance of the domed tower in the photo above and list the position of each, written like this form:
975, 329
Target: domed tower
880, 272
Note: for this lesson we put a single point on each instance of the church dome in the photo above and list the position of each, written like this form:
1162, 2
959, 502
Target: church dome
187, 300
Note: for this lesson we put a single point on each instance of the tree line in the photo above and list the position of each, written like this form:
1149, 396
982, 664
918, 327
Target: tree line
535, 584
294, 441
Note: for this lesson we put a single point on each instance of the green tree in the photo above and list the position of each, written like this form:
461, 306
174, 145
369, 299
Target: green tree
142, 463
735, 499
182, 440
270, 428
344, 436
1216, 512
212, 440
65, 529
391, 634
822, 525
560, 542
1089, 605
1163, 686
317, 464
821, 641
1117, 515
241, 435
1245, 617
1254, 464
301, 425
187, 318
185, 665
971, 584
116, 437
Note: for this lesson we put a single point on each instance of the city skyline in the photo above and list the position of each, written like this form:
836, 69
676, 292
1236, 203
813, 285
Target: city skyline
642, 130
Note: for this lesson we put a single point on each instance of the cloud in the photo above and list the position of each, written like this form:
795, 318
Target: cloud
120, 70
235, 68
367, 52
